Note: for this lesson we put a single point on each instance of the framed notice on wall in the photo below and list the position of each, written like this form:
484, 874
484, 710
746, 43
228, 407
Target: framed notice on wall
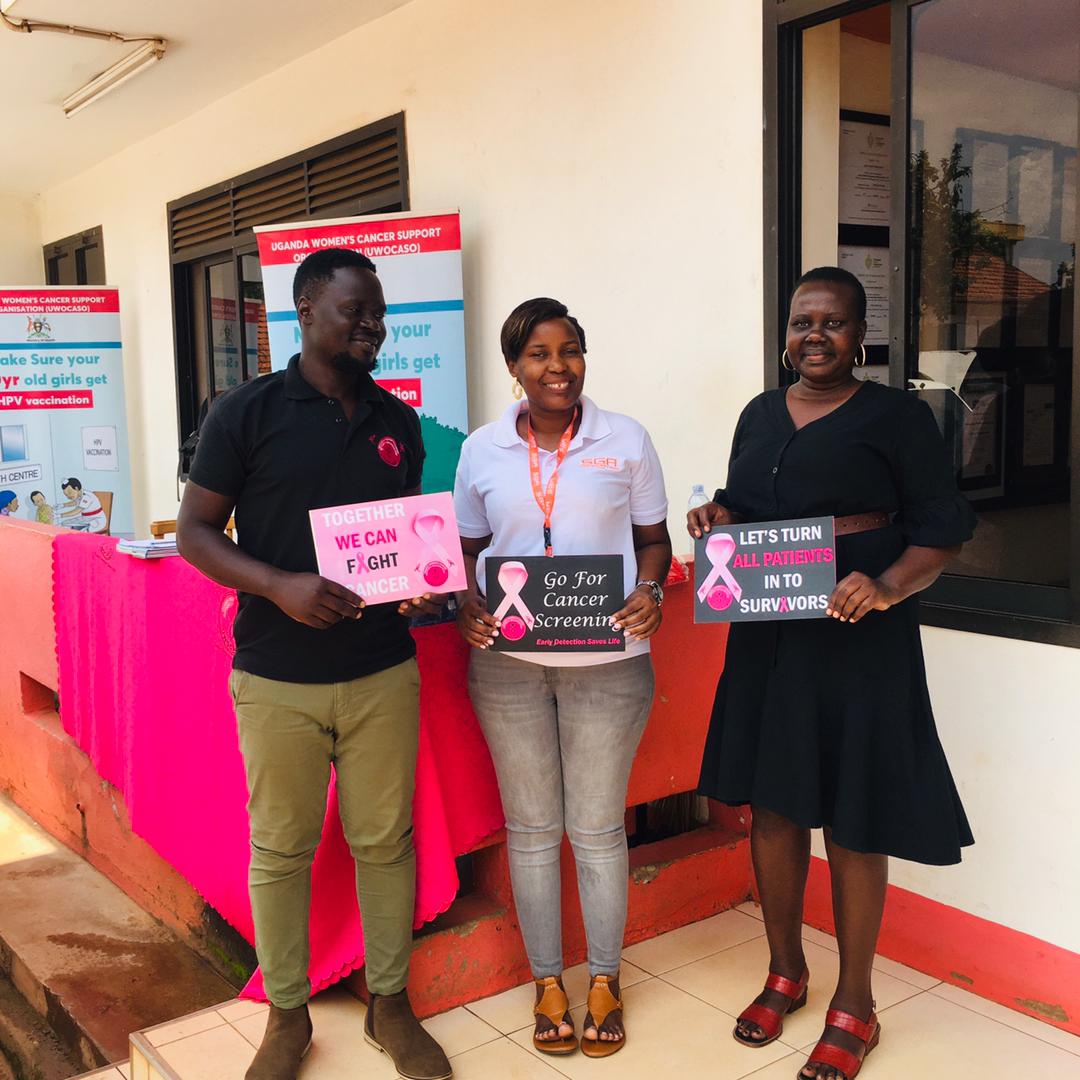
863, 220
871, 266
981, 446
864, 169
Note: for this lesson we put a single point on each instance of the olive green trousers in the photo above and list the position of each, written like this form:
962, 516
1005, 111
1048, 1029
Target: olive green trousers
290, 735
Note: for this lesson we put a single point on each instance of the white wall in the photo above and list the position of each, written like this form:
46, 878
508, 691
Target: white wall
820, 143
608, 154
21, 261
865, 76
1007, 714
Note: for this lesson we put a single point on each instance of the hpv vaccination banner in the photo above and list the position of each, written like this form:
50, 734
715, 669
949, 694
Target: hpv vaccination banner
63, 427
422, 362
758, 573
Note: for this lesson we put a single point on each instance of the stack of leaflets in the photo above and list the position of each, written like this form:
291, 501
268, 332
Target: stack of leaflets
148, 549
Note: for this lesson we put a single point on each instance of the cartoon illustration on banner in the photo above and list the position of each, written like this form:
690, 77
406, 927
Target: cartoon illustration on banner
418, 260
63, 427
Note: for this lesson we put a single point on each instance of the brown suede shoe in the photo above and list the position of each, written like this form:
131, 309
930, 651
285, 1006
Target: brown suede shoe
286, 1040
392, 1027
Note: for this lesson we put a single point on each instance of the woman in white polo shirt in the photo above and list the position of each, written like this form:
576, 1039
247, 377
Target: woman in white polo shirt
556, 475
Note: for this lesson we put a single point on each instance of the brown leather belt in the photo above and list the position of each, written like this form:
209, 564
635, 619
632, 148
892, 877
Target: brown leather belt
857, 523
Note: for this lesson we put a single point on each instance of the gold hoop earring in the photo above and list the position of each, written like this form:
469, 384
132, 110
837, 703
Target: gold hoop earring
785, 360
860, 361
517, 390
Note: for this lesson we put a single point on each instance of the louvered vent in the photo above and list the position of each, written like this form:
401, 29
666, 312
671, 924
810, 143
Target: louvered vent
365, 171
201, 222
277, 198
361, 172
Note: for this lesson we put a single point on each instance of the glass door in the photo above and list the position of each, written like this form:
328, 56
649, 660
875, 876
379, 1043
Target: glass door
930, 146
845, 154
256, 338
228, 333
991, 266
227, 361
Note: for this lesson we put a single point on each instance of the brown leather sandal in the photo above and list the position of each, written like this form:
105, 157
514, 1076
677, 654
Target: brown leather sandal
554, 1006
602, 1002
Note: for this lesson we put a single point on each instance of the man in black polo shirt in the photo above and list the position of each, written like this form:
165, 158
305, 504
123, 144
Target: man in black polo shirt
318, 677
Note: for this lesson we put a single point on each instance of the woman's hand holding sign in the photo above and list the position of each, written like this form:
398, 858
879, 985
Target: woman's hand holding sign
476, 624
702, 518
857, 595
641, 616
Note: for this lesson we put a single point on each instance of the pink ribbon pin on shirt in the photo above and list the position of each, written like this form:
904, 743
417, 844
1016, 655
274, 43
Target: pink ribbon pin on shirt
512, 577
718, 549
428, 527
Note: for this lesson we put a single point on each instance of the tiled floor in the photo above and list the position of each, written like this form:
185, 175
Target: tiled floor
682, 991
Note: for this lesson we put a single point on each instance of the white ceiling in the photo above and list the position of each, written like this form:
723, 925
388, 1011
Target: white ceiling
215, 47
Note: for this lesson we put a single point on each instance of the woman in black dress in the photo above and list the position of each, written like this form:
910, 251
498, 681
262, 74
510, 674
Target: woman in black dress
826, 723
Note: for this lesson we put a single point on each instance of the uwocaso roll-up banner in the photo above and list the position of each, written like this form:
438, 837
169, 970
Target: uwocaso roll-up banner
418, 260
63, 427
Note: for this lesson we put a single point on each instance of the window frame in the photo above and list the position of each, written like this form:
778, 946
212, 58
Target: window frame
75, 248
234, 247
4, 459
976, 605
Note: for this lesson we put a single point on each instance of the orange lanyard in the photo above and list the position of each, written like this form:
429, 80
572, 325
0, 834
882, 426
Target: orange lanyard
546, 499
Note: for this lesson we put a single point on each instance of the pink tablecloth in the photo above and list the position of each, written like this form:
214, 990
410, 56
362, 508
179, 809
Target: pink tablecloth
144, 652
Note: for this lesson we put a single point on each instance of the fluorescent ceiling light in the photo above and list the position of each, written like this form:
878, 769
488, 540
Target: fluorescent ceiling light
114, 76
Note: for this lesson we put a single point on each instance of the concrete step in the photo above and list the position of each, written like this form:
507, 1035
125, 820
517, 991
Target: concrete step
474, 949
28, 1046
83, 956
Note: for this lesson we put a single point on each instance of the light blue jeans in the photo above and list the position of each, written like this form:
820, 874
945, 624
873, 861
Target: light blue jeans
563, 740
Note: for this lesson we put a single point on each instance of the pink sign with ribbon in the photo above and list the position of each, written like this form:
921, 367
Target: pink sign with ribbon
718, 550
512, 577
391, 550
765, 571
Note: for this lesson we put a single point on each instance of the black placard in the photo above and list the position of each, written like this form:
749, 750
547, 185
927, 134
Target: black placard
762, 572
561, 604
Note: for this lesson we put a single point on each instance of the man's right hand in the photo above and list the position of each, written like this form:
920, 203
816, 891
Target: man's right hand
702, 518
313, 600
477, 625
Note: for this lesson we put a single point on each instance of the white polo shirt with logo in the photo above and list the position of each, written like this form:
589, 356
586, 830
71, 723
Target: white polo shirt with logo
610, 480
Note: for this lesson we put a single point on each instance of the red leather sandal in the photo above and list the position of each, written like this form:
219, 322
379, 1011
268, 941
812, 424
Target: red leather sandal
769, 1020
867, 1031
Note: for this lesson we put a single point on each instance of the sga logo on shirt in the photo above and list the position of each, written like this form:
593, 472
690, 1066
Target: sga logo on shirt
600, 463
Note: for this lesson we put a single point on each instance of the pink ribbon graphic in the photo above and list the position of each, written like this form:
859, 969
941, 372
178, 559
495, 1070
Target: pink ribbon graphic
512, 578
428, 526
718, 549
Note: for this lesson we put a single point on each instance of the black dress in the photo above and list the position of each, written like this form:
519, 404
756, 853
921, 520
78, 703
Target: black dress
824, 722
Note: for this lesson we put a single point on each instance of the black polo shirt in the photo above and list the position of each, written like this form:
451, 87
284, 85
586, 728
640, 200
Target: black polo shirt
280, 448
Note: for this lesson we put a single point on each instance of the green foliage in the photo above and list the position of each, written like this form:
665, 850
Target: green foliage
950, 240
443, 446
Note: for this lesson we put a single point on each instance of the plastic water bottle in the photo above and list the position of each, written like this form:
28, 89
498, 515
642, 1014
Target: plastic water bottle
697, 497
